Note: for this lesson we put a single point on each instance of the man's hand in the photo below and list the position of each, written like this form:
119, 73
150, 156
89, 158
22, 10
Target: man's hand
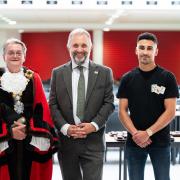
80, 130
19, 131
87, 128
141, 138
76, 132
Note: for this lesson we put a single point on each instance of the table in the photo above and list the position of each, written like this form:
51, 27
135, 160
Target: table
175, 124
176, 142
177, 121
111, 142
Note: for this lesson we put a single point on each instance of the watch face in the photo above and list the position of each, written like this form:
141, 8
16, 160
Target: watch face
149, 132
22, 120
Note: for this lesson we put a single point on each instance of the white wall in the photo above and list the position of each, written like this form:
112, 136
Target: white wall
98, 46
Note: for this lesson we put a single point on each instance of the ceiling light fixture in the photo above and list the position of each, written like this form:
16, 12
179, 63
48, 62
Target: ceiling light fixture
116, 15
26, 2
126, 2
151, 2
51, 2
175, 2
109, 21
10, 22
7, 20
102, 2
3, 2
106, 29
77, 2
21, 31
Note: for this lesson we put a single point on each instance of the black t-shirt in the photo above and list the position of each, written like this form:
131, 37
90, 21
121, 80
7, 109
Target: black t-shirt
146, 92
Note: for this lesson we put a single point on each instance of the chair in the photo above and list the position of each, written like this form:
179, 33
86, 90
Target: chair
175, 126
113, 124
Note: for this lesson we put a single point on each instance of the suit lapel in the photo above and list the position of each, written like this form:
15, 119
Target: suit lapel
67, 73
93, 73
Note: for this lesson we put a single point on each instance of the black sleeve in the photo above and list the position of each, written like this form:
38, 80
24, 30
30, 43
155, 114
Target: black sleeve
122, 90
8, 115
172, 87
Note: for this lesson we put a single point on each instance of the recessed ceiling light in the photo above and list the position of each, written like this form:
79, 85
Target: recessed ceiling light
106, 29
21, 30
12, 22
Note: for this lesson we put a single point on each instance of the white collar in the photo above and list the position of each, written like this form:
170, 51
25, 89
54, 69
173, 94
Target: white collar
85, 64
14, 82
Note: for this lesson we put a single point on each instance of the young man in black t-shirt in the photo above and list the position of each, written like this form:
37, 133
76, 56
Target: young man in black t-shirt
149, 92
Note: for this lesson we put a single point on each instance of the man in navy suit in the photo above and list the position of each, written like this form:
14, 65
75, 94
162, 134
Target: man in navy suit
82, 137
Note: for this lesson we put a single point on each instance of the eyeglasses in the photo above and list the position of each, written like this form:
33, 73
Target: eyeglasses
13, 53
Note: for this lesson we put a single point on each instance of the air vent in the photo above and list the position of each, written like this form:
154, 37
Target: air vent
77, 2
51, 2
26, 2
102, 2
126, 2
151, 2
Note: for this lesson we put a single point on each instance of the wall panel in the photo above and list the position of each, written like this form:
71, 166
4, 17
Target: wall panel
119, 51
45, 51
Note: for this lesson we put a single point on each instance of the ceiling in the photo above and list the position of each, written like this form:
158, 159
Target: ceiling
55, 19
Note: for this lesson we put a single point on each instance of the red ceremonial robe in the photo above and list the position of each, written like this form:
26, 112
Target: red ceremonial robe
39, 170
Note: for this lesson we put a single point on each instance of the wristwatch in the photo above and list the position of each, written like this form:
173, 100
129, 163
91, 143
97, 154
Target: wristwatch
21, 120
149, 132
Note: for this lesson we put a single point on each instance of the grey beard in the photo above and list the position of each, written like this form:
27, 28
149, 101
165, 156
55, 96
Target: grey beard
81, 61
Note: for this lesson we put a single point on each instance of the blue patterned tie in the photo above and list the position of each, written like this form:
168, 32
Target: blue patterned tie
81, 94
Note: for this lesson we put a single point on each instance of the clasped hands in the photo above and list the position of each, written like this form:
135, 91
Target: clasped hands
80, 130
141, 138
19, 130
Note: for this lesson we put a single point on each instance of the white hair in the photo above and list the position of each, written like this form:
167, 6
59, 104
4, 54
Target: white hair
14, 41
79, 31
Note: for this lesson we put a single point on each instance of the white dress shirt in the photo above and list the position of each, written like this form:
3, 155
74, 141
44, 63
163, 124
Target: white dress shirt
75, 79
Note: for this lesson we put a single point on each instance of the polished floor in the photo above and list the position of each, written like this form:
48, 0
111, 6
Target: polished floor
111, 168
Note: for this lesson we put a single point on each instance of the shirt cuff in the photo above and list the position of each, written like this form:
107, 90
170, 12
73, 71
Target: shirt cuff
3, 146
64, 129
95, 125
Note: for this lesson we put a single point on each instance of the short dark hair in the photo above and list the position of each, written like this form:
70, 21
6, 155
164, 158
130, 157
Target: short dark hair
148, 36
